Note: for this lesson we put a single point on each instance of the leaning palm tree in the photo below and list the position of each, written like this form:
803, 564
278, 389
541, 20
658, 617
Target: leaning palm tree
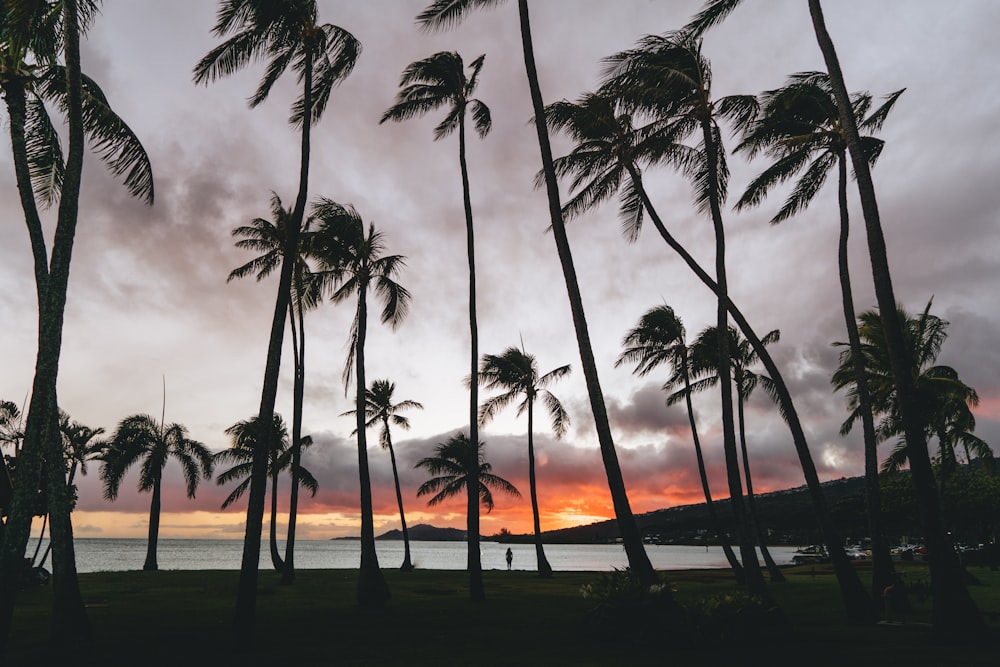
39, 33
799, 126
515, 373
954, 610
140, 438
441, 81
450, 464
605, 163
240, 457
658, 339
355, 262
704, 366
447, 13
380, 410
287, 34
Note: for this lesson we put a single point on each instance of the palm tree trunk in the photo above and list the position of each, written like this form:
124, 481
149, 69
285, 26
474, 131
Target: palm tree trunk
734, 563
244, 621
857, 603
276, 562
372, 589
298, 394
544, 569
41, 536
407, 563
475, 566
883, 573
154, 527
772, 568
631, 537
954, 610
748, 555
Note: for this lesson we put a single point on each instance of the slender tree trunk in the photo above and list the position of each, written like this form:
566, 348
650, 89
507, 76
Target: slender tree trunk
955, 613
883, 573
544, 569
638, 560
372, 589
857, 603
245, 617
748, 555
734, 563
772, 568
299, 347
475, 566
153, 535
407, 563
276, 562
41, 536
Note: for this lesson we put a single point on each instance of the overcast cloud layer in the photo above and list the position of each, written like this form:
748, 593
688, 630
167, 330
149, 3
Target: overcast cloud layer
148, 293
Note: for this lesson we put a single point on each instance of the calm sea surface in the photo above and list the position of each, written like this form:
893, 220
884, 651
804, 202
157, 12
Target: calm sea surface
104, 555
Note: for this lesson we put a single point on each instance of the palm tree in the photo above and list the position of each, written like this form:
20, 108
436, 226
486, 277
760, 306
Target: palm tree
355, 262
240, 456
606, 162
704, 365
287, 34
142, 438
800, 128
659, 338
269, 238
451, 465
515, 373
379, 409
954, 612
669, 77
446, 13
35, 33
440, 81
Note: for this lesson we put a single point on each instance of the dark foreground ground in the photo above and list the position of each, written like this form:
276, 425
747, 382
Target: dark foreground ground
184, 619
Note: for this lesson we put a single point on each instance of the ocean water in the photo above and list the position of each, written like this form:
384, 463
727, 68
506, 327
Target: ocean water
113, 555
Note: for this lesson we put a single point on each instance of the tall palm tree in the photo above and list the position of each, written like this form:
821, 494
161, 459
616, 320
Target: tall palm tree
38, 33
447, 13
240, 456
140, 438
606, 163
667, 75
451, 465
269, 237
426, 85
659, 338
704, 365
954, 612
287, 34
380, 410
355, 262
799, 126
514, 372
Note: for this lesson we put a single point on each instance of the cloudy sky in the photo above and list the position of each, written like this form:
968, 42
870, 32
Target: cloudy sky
149, 299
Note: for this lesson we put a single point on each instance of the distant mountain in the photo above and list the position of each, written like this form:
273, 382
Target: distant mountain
426, 532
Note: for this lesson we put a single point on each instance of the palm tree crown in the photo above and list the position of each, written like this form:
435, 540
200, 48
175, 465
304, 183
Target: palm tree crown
451, 465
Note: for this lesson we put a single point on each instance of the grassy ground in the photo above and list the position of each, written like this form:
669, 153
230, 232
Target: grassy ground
183, 618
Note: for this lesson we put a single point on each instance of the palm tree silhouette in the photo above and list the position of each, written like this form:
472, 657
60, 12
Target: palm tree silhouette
239, 455
354, 262
705, 366
659, 338
287, 34
379, 409
447, 13
515, 373
451, 465
140, 438
429, 84
800, 128
36, 33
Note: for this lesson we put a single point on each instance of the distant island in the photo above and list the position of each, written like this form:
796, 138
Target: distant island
427, 533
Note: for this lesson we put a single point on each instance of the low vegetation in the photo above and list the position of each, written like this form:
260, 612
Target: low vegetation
170, 618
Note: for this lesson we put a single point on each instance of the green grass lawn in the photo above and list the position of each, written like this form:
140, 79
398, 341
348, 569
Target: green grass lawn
184, 619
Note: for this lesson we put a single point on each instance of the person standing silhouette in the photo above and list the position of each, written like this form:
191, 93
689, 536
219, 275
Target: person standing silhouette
510, 557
